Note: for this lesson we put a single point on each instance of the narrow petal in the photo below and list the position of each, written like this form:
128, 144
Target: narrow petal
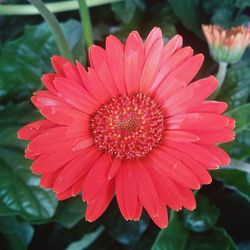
146, 190
197, 169
187, 197
174, 169
197, 121
209, 107
76, 95
154, 35
76, 169
48, 180
52, 162
192, 95
65, 116
57, 63
54, 139
48, 82
34, 129
174, 44
164, 185
126, 189
206, 158
151, 66
170, 65
93, 84
223, 157
138, 211
116, 164
97, 178
133, 62
71, 72
215, 137
97, 207
161, 219
115, 57
181, 136
98, 60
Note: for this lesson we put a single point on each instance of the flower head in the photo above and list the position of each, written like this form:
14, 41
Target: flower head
133, 125
226, 45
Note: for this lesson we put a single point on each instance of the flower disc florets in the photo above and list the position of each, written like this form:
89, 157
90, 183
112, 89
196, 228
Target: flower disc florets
128, 127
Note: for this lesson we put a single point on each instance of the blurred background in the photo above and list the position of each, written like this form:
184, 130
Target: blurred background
30, 216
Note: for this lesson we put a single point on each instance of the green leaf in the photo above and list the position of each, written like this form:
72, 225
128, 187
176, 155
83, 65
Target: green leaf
23, 61
177, 236
70, 211
236, 87
242, 117
17, 235
20, 190
86, 240
215, 239
237, 177
242, 4
125, 232
203, 218
188, 13
125, 10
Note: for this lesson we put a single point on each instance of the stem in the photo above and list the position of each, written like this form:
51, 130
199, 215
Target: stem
55, 27
27, 9
86, 22
221, 74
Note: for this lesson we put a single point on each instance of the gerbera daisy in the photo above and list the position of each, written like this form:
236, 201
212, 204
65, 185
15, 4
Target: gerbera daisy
133, 125
226, 45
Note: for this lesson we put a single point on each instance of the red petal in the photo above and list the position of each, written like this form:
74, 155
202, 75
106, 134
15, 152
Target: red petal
197, 121
48, 180
115, 55
98, 60
180, 136
49, 163
126, 189
187, 197
65, 116
47, 80
133, 62
207, 159
97, 178
97, 207
116, 164
223, 157
164, 185
171, 64
174, 169
209, 107
146, 190
197, 169
154, 35
190, 96
76, 168
31, 130
151, 66
57, 63
76, 95
161, 219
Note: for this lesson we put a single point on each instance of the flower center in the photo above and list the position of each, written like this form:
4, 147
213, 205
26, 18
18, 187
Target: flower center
128, 127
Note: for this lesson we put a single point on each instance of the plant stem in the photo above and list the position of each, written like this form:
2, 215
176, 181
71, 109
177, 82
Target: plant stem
86, 22
27, 9
221, 74
55, 27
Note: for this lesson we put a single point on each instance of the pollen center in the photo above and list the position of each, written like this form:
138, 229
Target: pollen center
128, 127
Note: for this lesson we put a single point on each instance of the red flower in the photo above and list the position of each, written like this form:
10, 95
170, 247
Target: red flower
132, 126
